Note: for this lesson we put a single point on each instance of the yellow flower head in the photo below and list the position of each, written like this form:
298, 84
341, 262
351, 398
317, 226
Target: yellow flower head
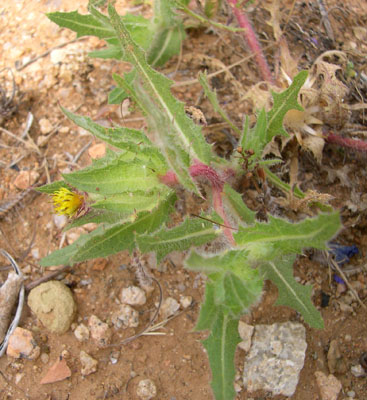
67, 202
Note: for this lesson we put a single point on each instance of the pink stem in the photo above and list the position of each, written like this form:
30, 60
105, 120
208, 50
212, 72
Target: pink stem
200, 169
355, 144
251, 39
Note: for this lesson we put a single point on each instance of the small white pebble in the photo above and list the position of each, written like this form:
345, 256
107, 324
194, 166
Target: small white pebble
146, 389
133, 295
81, 333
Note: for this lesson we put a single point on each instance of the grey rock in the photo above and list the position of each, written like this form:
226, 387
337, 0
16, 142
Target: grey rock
146, 389
276, 358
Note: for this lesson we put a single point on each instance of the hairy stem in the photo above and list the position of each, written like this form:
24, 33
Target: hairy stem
251, 39
355, 144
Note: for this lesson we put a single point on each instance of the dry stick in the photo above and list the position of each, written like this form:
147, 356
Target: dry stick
252, 41
325, 20
345, 279
46, 53
46, 278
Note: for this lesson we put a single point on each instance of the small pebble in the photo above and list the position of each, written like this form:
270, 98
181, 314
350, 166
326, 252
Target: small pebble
146, 389
245, 331
351, 394
348, 338
57, 372
22, 345
81, 333
169, 307
329, 386
185, 301
45, 358
60, 220
25, 179
99, 331
358, 371
125, 317
133, 296
89, 364
45, 126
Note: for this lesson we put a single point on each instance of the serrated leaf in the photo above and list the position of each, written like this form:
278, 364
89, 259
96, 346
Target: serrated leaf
238, 207
192, 232
166, 43
235, 283
283, 102
109, 52
114, 178
290, 292
265, 240
131, 202
181, 139
52, 187
221, 346
65, 255
96, 217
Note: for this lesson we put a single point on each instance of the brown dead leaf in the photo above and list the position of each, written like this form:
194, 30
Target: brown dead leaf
314, 144
58, 372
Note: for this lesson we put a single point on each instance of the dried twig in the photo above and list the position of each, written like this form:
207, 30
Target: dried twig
47, 277
18, 313
325, 20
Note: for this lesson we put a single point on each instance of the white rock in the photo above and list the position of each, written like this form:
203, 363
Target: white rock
60, 220
57, 56
45, 126
276, 358
245, 331
125, 317
358, 371
146, 389
185, 301
89, 364
81, 333
133, 296
169, 307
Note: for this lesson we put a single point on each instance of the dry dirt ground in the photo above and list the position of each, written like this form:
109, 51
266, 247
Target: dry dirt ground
175, 360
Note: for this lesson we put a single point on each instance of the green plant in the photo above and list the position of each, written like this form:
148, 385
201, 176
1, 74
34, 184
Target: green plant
131, 193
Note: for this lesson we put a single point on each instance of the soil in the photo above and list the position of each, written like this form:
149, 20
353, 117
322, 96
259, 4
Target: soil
175, 359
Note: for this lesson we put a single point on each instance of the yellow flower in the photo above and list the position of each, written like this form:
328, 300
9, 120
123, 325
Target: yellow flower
67, 202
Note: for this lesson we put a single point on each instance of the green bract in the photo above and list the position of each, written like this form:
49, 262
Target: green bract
130, 192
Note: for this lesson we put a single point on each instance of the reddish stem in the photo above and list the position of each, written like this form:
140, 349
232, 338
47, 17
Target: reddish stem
203, 170
252, 41
355, 144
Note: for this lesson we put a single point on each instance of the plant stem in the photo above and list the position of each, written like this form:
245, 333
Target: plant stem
251, 39
355, 144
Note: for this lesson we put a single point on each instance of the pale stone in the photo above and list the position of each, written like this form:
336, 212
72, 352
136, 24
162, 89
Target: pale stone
89, 364
276, 358
133, 295
45, 126
146, 389
81, 333
99, 331
329, 386
25, 179
125, 317
54, 306
22, 345
185, 301
245, 331
169, 307
60, 221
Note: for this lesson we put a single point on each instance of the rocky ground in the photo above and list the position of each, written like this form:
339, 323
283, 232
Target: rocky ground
85, 356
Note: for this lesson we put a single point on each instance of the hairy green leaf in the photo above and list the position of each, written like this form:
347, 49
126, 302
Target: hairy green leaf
52, 187
283, 102
291, 293
181, 139
192, 232
221, 346
237, 206
235, 283
266, 240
